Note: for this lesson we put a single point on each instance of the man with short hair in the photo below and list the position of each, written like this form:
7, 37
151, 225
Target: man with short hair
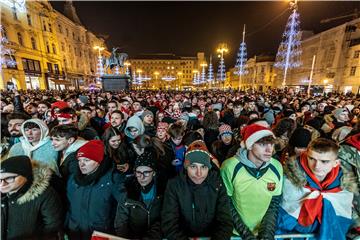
253, 180
313, 198
14, 126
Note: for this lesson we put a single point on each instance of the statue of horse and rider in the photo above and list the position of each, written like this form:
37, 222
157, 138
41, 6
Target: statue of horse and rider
115, 59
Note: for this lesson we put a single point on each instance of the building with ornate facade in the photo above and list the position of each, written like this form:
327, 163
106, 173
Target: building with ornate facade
51, 49
165, 71
337, 61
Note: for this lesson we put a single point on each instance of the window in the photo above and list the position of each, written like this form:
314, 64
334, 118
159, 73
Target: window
352, 71
50, 28
62, 47
29, 19
67, 32
80, 54
33, 43
53, 48
15, 16
73, 35
56, 68
47, 48
10, 62
49, 67
4, 33
44, 25
60, 28
20, 39
356, 54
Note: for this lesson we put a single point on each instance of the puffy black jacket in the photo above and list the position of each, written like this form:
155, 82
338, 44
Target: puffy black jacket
191, 210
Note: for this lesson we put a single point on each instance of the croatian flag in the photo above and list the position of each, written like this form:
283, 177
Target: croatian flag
312, 209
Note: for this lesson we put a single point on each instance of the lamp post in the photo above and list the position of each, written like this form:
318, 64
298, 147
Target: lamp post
127, 64
100, 69
179, 74
156, 73
221, 71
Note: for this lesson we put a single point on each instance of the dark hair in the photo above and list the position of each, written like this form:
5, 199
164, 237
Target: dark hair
113, 101
283, 126
176, 130
323, 145
255, 120
118, 112
17, 115
191, 137
119, 155
86, 108
47, 104
211, 120
68, 110
66, 131
31, 125
152, 143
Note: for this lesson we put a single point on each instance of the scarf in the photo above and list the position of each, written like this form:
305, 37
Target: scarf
312, 209
354, 141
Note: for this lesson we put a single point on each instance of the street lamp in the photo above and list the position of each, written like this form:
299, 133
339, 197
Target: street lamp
203, 65
221, 50
100, 69
127, 64
156, 73
179, 81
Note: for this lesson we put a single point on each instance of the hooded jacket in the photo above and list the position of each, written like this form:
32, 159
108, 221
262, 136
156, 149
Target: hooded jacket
255, 194
135, 122
43, 152
36, 213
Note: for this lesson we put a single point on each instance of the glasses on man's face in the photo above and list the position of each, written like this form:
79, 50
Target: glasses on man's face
8, 179
143, 174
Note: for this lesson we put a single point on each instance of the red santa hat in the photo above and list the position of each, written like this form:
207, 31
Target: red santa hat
253, 133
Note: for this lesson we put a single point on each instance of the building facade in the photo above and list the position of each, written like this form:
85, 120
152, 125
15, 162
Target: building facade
259, 74
165, 71
52, 51
337, 62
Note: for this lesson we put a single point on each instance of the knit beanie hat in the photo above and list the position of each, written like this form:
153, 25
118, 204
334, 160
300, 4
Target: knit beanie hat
145, 113
300, 138
84, 99
338, 111
147, 158
225, 129
93, 150
19, 164
197, 152
253, 133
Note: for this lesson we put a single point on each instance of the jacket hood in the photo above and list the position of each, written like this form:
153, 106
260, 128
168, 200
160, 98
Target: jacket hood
241, 155
43, 128
74, 147
135, 122
40, 183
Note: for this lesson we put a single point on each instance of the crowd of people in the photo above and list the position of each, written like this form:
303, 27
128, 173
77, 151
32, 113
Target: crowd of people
177, 165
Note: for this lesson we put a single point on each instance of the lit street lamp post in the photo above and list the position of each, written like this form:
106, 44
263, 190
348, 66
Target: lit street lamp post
100, 70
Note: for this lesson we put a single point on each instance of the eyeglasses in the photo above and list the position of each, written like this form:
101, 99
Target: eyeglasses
9, 179
143, 174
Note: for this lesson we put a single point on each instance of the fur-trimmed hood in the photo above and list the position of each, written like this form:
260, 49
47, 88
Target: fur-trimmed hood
41, 182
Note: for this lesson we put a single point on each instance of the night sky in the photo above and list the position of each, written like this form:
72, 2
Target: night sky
185, 28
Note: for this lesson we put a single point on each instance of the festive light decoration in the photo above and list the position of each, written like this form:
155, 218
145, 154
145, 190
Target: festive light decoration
241, 59
210, 76
117, 70
168, 78
6, 54
196, 79
203, 73
17, 5
221, 70
288, 55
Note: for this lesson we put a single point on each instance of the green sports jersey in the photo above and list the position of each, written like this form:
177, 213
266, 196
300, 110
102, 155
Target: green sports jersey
250, 189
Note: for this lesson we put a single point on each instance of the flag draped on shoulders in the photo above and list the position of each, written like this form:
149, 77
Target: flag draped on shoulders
322, 208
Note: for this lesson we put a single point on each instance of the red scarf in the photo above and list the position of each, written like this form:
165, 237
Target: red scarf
311, 209
354, 141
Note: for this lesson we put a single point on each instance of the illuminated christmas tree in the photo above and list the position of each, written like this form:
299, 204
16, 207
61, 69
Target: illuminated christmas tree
210, 76
288, 55
241, 59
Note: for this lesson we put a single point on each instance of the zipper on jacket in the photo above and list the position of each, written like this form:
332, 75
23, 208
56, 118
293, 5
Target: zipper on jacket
193, 211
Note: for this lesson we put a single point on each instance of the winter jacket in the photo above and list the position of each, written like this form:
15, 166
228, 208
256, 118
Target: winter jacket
93, 207
43, 152
191, 210
211, 135
34, 212
350, 163
134, 219
301, 194
255, 194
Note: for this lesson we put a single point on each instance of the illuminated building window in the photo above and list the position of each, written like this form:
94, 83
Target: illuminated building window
20, 39
356, 54
33, 43
53, 48
352, 71
29, 19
